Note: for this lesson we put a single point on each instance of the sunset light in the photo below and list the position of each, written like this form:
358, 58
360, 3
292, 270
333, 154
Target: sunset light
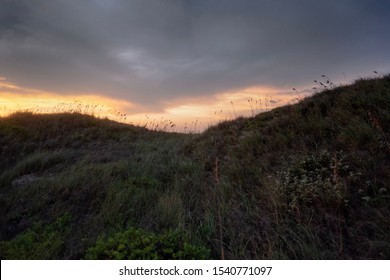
217, 130
190, 67
184, 115
14, 99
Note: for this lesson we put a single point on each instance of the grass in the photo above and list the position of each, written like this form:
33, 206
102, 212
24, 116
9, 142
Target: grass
304, 181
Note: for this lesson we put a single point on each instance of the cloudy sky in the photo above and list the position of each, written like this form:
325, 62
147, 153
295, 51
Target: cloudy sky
158, 56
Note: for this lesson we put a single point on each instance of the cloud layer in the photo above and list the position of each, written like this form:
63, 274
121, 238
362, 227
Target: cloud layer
158, 50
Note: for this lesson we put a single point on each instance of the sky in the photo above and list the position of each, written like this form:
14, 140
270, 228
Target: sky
184, 59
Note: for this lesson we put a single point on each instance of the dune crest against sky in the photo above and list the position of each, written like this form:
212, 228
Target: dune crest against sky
187, 114
155, 54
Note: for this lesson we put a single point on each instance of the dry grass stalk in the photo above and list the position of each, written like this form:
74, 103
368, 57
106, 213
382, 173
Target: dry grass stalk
375, 123
336, 180
217, 182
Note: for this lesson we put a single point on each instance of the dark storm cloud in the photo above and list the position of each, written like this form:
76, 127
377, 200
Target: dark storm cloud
151, 51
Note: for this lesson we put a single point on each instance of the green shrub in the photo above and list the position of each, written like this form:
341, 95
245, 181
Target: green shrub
314, 181
40, 242
136, 244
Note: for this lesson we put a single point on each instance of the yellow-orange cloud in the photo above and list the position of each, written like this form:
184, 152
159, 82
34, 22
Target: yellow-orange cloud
187, 114
14, 98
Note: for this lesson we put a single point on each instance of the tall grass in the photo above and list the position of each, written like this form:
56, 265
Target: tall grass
304, 181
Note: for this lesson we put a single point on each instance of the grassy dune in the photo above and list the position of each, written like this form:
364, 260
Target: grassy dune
305, 181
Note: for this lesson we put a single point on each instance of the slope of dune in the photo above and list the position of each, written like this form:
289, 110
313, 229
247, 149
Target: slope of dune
304, 181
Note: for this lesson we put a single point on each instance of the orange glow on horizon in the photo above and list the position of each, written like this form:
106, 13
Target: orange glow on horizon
15, 99
226, 106
182, 115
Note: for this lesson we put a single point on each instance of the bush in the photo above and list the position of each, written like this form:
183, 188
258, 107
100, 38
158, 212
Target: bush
138, 244
40, 242
314, 181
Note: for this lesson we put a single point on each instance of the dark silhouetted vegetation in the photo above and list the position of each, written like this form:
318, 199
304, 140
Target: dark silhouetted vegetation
304, 181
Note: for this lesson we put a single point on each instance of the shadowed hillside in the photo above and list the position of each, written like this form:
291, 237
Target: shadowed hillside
305, 181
